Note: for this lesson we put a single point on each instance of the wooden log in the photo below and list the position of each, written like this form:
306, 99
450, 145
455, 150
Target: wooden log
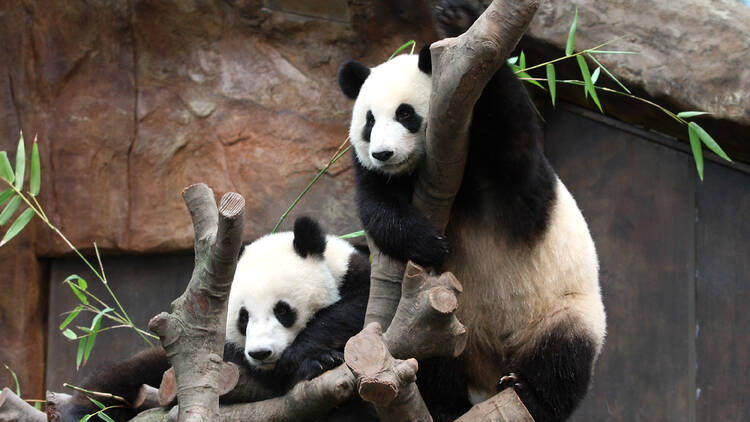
504, 406
13, 409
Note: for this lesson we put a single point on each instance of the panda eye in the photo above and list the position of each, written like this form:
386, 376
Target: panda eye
285, 314
242, 320
404, 112
370, 118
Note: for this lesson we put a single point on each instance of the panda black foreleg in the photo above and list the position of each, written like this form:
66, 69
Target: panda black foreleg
553, 379
398, 229
319, 347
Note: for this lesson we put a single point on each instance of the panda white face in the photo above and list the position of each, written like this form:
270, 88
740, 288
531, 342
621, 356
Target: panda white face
281, 281
389, 116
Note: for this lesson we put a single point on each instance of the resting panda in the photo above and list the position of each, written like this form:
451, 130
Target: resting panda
515, 238
296, 299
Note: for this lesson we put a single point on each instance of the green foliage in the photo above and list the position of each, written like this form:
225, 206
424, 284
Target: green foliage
698, 136
404, 46
12, 198
570, 45
551, 81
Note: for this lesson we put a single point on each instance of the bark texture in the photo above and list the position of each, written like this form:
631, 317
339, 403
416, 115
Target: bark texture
13, 408
193, 333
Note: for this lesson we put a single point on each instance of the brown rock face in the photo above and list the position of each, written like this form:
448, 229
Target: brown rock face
135, 100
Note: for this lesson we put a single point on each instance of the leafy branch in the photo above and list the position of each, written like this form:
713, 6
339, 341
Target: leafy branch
697, 135
15, 197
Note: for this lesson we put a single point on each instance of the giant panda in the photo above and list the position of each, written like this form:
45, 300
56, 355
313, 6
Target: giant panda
516, 239
296, 298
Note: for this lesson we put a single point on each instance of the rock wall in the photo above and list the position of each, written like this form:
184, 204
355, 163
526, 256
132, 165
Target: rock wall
134, 100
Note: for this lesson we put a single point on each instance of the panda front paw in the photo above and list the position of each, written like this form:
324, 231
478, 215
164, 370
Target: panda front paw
430, 251
454, 17
311, 367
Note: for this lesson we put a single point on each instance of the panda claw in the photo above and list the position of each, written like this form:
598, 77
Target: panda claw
509, 380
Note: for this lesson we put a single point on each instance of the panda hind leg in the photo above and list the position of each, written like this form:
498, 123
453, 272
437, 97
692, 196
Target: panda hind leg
553, 379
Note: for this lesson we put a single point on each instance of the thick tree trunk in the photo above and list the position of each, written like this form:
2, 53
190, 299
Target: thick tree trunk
193, 334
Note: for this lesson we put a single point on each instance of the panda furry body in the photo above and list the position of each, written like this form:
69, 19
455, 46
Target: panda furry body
515, 239
296, 298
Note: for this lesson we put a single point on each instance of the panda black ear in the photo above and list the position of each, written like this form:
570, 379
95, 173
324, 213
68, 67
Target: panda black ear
309, 238
425, 60
352, 75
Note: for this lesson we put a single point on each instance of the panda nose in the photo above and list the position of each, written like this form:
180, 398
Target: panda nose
259, 354
382, 155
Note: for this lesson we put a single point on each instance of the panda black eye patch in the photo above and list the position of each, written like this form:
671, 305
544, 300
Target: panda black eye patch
409, 118
283, 312
369, 123
242, 319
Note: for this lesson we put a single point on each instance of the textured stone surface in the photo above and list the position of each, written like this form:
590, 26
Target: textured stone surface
133, 101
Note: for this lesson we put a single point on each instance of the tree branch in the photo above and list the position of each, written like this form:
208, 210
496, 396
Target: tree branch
504, 406
13, 408
193, 334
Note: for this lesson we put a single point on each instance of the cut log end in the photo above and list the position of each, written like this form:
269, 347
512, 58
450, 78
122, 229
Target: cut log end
167, 388
377, 392
231, 204
443, 300
147, 398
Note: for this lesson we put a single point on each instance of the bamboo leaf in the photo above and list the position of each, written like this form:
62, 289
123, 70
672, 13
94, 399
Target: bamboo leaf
85, 418
587, 80
18, 225
595, 75
81, 296
69, 334
530, 80
521, 74
572, 35
689, 114
709, 141
6, 170
9, 209
20, 162
7, 194
352, 235
403, 47
104, 417
512, 60
551, 81
96, 323
79, 353
36, 171
71, 317
522, 61
611, 76
98, 403
695, 145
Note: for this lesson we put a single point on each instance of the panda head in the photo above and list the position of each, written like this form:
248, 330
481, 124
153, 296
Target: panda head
281, 281
390, 111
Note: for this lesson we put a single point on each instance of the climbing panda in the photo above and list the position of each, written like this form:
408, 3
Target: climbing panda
295, 300
515, 239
